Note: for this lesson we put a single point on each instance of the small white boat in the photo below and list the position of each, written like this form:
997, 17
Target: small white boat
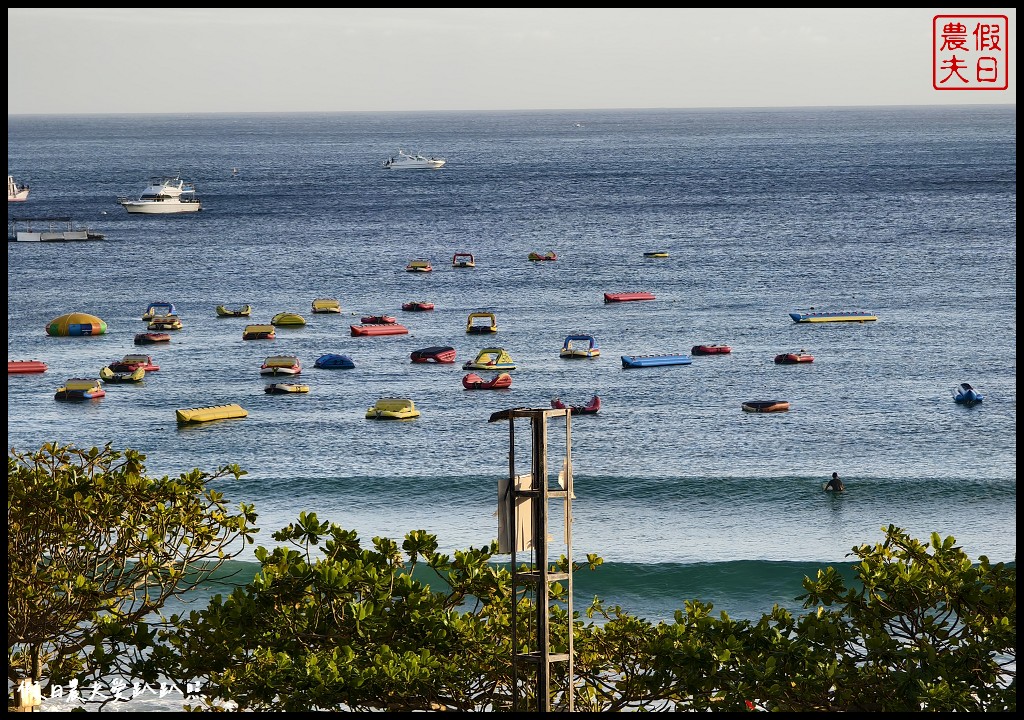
413, 161
164, 195
16, 192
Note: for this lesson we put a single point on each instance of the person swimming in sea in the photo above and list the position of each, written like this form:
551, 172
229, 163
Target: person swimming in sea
835, 484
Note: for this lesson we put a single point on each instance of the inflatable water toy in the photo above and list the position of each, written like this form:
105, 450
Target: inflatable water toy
326, 305
393, 409
76, 324
437, 354
334, 361
765, 406
472, 381
636, 361
491, 359
208, 414
590, 408
80, 389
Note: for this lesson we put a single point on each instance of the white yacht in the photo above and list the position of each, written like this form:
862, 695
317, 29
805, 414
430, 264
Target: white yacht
16, 192
164, 195
413, 161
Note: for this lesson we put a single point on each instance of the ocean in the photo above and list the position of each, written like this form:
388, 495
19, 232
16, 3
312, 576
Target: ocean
908, 212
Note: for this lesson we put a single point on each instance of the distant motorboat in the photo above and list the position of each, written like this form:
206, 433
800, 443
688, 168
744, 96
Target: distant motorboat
164, 195
413, 161
16, 192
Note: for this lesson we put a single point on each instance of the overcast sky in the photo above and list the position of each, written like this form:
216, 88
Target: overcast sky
143, 60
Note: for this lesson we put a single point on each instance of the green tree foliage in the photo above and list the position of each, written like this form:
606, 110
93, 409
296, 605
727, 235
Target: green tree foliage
331, 625
926, 629
929, 628
95, 547
340, 627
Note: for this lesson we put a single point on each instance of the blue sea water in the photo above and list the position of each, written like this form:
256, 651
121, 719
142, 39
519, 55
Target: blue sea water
907, 212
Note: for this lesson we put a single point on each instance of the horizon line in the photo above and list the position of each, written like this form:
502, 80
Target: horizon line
509, 110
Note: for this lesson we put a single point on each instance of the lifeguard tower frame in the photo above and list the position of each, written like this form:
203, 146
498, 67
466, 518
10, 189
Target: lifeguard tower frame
525, 504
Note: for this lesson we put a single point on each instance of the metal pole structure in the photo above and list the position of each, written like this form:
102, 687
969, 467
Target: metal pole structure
540, 558
537, 576
511, 514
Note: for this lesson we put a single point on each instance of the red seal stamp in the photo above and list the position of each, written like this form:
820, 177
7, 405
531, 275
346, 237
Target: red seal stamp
970, 52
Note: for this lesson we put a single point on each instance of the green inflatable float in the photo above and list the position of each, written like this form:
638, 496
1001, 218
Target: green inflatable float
76, 323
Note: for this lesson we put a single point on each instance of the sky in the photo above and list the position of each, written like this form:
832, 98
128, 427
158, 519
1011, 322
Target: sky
213, 60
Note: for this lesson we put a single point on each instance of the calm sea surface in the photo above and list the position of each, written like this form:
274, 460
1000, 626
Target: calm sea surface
907, 212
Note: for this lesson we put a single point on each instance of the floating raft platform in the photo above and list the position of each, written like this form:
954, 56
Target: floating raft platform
372, 329
821, 316
213, 412
615, 297
636, 361
22, 367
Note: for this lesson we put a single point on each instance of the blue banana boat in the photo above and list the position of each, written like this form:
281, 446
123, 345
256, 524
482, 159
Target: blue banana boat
637, 361
965, 394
